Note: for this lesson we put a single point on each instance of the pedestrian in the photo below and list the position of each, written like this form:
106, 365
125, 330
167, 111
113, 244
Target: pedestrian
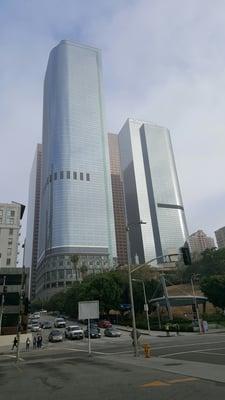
34, 343
40, 341
167, 327
28, 344
15, 341
177, 329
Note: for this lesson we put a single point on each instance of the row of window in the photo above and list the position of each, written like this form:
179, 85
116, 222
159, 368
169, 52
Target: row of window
68, 175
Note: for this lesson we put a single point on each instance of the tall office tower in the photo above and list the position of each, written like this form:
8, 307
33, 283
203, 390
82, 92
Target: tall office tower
152, 191
76, 215
220, 237
10, 216
31, 244
199, 241
118, 198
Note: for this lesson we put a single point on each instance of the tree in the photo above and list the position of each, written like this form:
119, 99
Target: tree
103, 287
75, 260
57, 302
214, 288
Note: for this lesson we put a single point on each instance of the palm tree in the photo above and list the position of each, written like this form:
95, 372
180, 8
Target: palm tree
75, 260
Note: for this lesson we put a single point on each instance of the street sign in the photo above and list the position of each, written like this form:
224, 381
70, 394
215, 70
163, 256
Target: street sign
88, 309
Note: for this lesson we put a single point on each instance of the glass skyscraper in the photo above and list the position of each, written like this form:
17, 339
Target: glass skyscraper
152, 192
76, 215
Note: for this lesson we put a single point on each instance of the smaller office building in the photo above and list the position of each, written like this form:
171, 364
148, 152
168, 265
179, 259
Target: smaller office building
11, 284
220, 237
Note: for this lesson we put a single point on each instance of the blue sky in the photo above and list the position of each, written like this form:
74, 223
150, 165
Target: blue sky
164, 61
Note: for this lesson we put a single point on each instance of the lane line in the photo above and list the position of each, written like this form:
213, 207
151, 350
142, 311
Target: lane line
187, 345
180, 380
190, 351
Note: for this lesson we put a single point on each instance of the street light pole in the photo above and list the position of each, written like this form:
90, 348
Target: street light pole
131, 295
196, 304
146, 308
146, 303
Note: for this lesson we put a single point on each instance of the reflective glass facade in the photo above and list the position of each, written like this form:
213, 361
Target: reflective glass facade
76, 200
152, 191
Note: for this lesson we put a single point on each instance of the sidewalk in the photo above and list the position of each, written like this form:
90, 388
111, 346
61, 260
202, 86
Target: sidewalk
163, 333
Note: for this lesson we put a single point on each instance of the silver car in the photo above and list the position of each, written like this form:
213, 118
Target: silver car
55, 336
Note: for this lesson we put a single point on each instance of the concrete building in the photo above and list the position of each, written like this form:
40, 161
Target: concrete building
152, 192
199, 241
10, 216
33, 213
12, 280
118, 198
76, 212
220, 237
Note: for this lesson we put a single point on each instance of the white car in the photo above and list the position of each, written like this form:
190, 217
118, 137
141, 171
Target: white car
74, 332
59, 323
35, 328
36, 315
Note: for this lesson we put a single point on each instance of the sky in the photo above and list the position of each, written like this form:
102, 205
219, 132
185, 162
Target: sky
163, 61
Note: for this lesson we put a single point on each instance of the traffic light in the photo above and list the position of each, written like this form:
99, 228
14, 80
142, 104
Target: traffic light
186, 255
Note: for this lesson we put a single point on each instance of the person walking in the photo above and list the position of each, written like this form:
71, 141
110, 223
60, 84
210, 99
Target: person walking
28, 344
15, 341
177, 329
167, 327
34, 343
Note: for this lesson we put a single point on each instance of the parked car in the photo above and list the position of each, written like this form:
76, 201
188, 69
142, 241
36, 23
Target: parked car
112, 332
35, 328
29, 325
36, 315
104, 324
74, 332
94, 333
55, 336
46, 324
59, 323
34, 321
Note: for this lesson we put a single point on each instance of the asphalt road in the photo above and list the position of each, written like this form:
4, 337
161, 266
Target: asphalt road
183, 367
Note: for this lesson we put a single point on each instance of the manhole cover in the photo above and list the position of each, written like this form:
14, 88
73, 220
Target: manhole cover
172, 364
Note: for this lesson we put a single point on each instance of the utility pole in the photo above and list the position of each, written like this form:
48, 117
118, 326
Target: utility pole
162, 278
2, 303
196, 304
131, 296
146, 309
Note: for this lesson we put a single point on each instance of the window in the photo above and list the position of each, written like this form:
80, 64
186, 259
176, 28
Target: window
81, 176
11, 221
10, 231
61, 274
8, 261
1, 213
61, 174
0, 220
10, 242
55, 176
50, 178
74, 175
9, 252
68, 174
0, 255
12, 213
87, 177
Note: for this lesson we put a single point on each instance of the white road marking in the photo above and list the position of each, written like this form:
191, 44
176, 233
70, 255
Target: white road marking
192, 351
186, 345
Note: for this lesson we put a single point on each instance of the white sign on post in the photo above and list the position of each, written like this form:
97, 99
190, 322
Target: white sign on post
88, 310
